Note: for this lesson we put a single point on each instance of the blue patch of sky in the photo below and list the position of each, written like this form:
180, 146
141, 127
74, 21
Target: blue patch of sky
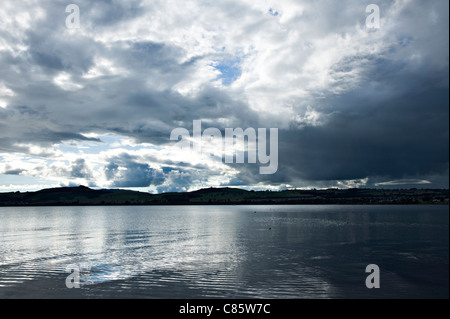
18, 181
230, 70
273, 12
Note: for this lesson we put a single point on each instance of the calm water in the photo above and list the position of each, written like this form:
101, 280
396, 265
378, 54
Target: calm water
224, 251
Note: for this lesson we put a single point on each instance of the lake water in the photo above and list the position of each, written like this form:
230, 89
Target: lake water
317, 251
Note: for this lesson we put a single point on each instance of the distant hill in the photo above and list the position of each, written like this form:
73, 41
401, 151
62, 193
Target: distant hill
222, 196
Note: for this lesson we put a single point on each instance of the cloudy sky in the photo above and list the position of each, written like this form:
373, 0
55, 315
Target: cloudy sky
354, 106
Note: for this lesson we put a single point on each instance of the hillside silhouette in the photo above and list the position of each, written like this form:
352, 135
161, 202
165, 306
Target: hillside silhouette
222, 196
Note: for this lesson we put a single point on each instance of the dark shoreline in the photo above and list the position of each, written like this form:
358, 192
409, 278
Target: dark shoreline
84, 196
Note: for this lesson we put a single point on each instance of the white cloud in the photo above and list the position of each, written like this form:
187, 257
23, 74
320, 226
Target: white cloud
104, 67
353, 183
403, 182
65, 81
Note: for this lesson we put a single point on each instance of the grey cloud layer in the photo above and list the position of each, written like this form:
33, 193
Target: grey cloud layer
383, 107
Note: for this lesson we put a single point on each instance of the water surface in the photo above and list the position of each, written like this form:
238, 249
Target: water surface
224, 251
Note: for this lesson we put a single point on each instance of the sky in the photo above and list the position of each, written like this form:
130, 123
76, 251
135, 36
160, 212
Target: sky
95, 103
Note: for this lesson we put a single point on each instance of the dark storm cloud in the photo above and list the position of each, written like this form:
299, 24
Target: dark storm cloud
400, 133
23, 126
125, 171
129, 171
13, 172
80, 170
407, 136
47, 60
400, 138
108, 13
